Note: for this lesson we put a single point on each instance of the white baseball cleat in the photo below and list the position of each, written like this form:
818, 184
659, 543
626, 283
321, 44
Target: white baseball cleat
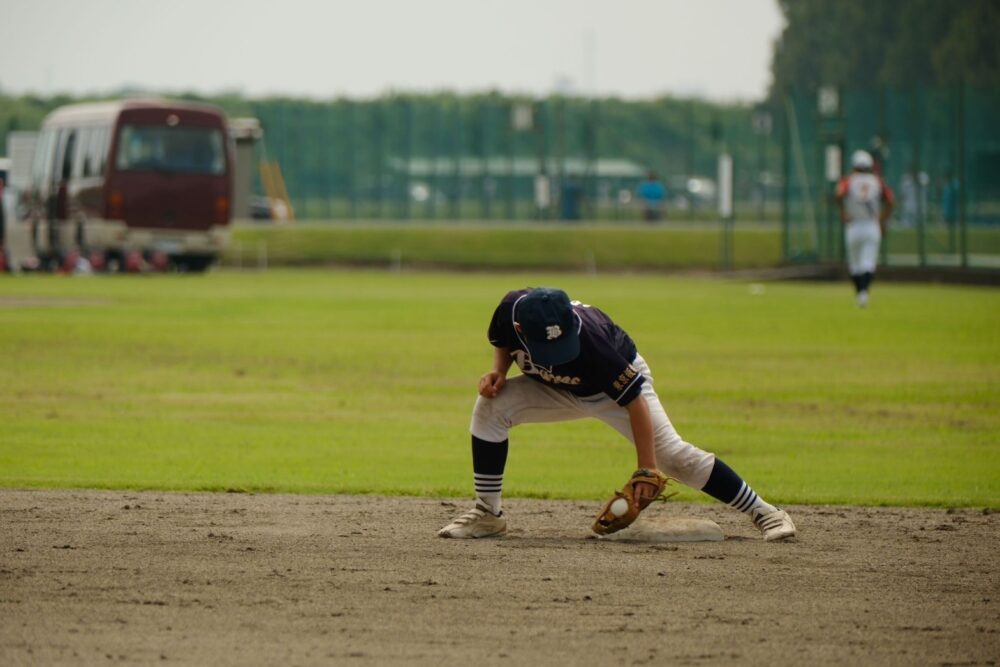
477, 522
863, 299
774, 525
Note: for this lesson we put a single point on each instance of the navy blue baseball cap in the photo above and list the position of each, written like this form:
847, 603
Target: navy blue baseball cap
548, 326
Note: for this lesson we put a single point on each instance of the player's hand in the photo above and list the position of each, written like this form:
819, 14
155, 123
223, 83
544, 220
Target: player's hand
491, 383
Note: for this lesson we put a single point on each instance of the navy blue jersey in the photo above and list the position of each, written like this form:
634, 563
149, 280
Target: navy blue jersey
604, 364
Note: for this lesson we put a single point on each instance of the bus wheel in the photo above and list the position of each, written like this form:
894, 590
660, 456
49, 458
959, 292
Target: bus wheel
133, 261
69, 262
98, 261
159, 260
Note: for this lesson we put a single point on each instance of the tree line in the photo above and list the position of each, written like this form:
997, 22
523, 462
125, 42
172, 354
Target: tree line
887, 43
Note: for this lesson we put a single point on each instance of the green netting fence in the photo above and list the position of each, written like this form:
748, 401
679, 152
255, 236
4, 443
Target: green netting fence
939, 151
492, 157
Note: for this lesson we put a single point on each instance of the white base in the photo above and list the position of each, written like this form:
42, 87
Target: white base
669, 530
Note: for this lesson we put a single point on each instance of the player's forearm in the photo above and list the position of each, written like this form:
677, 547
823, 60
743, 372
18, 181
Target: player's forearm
642, 432
502, 360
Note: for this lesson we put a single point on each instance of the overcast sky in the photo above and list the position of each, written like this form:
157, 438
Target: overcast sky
720, 49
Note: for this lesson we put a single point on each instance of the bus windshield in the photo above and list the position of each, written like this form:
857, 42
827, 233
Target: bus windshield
184, 149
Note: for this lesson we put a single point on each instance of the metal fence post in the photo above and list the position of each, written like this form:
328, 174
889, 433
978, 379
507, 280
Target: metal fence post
916, 122
963, 188
456, 157
352, 158
785, 186
407, 139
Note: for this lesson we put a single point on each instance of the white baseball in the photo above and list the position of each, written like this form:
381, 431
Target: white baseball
619, 507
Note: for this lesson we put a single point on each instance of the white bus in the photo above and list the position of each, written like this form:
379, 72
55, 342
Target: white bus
130, 184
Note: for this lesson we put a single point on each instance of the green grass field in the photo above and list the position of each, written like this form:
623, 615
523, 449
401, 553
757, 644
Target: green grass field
362, 382
508, 246
562, 246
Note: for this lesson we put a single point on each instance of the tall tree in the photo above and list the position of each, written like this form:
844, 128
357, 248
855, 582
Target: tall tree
970, 50
863, 43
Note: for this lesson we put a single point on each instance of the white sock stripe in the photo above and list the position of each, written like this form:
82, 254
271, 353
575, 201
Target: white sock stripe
750, 502
488, 483
740, 496
745, 499
748, 499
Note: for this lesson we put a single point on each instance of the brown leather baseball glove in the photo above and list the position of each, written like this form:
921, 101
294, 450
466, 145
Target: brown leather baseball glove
617, 515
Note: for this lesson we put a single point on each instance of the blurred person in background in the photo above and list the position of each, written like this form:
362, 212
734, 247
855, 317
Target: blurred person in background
652, 195
865, 203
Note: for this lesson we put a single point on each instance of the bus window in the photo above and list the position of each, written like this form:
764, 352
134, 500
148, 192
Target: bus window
82, 165
189, 150
43, 158
53, 159
67, 162
50, 167
100, 148
94, 149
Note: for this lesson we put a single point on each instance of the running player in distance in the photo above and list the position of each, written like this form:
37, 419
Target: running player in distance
865, 203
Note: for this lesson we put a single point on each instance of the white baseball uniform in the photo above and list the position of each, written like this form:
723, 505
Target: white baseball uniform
863, 195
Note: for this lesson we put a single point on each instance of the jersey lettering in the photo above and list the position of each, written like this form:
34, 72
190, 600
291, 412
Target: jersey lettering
625, 378
528, 367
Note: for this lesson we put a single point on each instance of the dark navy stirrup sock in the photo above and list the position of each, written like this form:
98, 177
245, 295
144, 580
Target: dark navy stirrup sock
728, 487
488, 462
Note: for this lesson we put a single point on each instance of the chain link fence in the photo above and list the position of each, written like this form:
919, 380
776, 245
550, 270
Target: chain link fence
492, 157
937, 149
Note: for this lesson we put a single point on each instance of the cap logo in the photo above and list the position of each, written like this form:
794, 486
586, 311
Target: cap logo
553, 332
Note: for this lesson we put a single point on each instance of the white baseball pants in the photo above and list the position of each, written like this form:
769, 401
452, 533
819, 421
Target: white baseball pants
525, 401
861, 241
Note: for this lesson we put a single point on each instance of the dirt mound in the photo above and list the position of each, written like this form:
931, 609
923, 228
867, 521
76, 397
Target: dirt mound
91, 577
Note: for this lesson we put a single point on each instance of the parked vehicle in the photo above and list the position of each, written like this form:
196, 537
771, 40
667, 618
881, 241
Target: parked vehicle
18, 252
124, 184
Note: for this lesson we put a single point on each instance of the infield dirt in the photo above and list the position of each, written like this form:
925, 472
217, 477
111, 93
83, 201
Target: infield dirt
97, 577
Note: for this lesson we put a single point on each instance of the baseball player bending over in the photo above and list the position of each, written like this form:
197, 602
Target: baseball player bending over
576, 362
865, 203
